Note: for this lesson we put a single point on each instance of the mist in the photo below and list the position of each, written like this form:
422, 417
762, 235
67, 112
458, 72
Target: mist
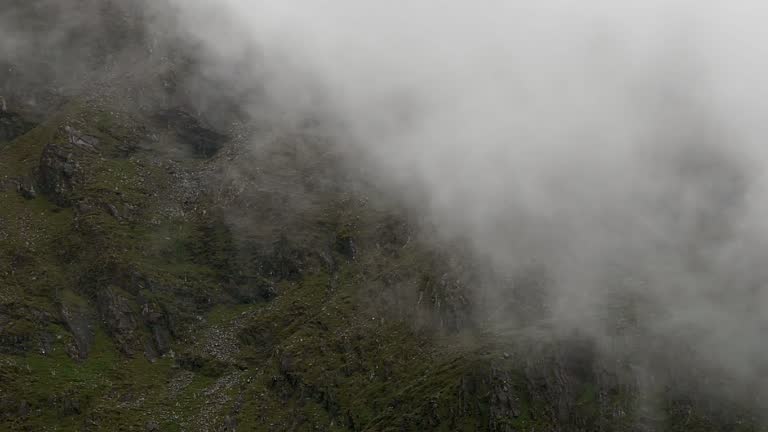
597, 166
619, 146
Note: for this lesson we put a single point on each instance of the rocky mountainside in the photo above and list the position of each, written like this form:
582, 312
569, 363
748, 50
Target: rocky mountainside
169, 268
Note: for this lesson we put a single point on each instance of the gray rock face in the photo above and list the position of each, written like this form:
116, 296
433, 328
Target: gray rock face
24, 409
119, 317
79, 320
156, 320
81, 140
56, 175
25, 186
13, 126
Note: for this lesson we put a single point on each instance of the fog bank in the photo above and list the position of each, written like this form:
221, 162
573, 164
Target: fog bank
618, 145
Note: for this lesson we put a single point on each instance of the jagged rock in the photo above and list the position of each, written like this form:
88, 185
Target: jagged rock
162, 338
56, 173
25, 187
81, 140
285, 261
13, 126
70, 406
445, 298
137, 282
119, 317
268, 291
504, 405
24, 409
345, 245
85, 207
154, 317
156, 320
151, 426
113, 211
79, 321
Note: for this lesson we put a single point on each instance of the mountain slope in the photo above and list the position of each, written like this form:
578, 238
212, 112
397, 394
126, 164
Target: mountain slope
171, 265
